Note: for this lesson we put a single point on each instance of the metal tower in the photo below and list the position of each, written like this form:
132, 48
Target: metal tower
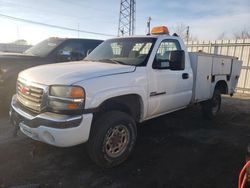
127, 18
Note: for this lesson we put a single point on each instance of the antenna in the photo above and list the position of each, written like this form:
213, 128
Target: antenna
148, 25
187, 34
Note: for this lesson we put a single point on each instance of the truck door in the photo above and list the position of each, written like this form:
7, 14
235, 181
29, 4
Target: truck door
169, 90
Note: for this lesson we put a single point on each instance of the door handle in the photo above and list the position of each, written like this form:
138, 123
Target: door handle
185, 76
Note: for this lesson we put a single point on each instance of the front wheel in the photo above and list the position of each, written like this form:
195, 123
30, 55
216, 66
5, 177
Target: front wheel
112, 138
211, 107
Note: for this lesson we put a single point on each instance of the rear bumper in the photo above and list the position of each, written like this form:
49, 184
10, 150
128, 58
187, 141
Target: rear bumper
54, 129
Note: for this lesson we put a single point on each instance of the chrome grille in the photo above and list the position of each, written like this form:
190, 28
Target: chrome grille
30, 96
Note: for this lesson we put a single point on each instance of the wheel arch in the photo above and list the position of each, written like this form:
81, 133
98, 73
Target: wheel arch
131, 104
222, 86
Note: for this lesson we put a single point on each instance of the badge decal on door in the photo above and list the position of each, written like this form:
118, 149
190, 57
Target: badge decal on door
154, 93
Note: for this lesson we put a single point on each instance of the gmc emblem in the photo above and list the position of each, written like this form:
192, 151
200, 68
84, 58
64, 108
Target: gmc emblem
25, 90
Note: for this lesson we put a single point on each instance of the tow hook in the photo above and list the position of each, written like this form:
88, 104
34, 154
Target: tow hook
15, 131
15, 125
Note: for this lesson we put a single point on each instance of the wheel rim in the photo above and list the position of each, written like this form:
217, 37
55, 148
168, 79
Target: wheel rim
116, 141
215, 105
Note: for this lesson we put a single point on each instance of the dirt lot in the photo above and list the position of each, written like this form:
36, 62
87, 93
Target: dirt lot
174, 151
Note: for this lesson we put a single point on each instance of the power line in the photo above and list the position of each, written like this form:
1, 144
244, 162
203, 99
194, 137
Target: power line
53, 26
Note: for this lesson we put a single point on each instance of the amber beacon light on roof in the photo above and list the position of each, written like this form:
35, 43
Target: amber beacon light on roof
160, 30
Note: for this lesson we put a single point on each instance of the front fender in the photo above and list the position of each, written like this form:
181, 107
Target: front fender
96, 100
100, 89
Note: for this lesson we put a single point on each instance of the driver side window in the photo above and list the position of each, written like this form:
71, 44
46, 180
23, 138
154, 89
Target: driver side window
71, 51
162, 58
165, 48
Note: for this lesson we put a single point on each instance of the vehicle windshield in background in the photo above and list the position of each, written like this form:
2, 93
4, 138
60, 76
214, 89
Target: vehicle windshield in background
127, 51
43, 48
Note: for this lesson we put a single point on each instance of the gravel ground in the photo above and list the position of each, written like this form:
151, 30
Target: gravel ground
178, 150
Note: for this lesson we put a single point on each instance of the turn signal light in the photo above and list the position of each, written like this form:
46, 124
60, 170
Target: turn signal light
72, 106
76, 92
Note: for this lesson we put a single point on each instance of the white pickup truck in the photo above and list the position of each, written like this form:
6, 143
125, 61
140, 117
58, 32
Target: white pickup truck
123, 82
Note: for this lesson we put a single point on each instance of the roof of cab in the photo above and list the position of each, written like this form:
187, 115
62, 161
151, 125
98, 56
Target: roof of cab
148, 36
64, 39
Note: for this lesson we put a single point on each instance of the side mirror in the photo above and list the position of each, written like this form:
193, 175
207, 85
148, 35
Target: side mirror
161, 64
89, 51
177, 60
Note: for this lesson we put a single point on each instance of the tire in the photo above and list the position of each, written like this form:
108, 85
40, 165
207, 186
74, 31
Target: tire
112, 139
7, 102
210, 108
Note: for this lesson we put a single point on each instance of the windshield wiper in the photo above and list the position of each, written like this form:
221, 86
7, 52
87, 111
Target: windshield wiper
106, 61
89, 60
111, 61
29, 53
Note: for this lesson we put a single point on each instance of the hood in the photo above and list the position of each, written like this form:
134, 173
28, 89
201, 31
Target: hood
72, 72
16, 59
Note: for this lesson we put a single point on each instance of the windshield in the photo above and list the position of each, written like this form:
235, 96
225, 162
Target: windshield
128, 51
43, 48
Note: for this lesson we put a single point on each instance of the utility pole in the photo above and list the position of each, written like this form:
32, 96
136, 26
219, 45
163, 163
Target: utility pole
187, 34
127, 18
17, 32
78, 28
149, 25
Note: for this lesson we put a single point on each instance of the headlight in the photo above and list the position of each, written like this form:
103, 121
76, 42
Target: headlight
63, 98
73, 92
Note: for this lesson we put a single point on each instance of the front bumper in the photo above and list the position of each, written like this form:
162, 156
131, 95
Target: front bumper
54, 129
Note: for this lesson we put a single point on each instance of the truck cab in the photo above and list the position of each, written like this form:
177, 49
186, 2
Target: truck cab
171, 77
100, 100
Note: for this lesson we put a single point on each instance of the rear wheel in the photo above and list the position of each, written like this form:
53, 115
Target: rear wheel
210, 108
112, 138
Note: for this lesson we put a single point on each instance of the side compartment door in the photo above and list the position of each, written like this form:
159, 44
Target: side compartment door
203, 78
168, 89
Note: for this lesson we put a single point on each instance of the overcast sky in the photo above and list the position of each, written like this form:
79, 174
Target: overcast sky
207, 19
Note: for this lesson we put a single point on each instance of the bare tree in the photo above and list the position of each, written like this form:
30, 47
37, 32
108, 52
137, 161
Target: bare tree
192, 37
181, 30
184, 32
222, 36
244, 34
